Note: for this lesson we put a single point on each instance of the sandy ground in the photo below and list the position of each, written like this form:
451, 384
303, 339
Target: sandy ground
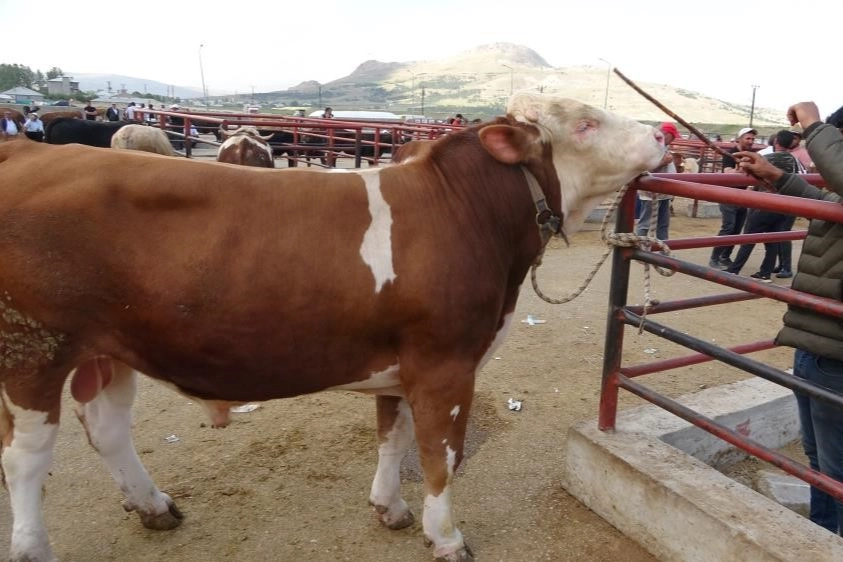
290, 480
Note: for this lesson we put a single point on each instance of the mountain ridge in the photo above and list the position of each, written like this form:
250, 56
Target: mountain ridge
475, 82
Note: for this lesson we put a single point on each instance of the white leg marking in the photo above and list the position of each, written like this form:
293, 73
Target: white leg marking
496, 343
376, 250
386, 487
455, 411
108, 420
26, 462
438, 522
388, 378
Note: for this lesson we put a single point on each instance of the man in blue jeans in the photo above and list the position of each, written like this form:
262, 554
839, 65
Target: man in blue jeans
817, 338
732, 217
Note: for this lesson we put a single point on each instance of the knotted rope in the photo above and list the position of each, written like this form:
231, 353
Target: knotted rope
615, 239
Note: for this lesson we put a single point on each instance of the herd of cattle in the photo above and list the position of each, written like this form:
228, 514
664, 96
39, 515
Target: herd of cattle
67, 127
229, 284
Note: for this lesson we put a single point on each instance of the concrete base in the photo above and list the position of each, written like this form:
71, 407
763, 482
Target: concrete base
643, 479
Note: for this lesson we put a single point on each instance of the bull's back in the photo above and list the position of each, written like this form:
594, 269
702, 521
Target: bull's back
188, 257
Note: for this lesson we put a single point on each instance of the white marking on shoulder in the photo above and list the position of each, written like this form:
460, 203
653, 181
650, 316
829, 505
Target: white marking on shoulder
387, 378
455, 411
376, 250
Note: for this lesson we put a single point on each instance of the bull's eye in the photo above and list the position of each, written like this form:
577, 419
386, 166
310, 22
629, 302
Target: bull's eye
584, 125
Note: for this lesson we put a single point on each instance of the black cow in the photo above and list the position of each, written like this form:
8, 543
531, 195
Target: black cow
66, 130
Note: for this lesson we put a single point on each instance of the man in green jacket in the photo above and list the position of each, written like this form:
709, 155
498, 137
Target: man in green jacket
818, 339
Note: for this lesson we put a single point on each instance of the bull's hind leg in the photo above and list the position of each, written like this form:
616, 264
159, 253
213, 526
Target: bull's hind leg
107, 418
395, 435
29, 423
440, 402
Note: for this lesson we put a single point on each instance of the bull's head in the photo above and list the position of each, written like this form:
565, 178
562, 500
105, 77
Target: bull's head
246, 130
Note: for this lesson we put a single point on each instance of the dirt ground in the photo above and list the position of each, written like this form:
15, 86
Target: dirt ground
290, 480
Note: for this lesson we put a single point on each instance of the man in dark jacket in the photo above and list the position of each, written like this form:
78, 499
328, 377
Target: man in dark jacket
818, 338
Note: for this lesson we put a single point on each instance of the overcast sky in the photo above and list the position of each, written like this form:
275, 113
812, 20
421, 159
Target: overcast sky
788, 49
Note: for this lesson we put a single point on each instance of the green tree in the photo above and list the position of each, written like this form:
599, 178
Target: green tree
54, 72
12, 75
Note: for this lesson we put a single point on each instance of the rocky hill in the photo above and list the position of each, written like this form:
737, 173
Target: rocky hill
477, 83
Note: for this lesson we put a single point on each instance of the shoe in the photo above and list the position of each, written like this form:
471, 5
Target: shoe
763, 277
725, 261
784, 274
777, 269
714, 264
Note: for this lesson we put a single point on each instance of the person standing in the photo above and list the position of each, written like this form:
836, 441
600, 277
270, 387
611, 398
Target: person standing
658, 204
759, 220
90, 112
732, 217
816, 338
112, 113
129, 114
34, 127
8, 126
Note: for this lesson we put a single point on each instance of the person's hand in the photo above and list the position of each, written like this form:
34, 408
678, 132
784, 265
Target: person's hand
805, 113
753, 164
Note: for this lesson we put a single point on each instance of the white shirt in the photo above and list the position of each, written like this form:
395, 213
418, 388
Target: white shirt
11, 127
130, 112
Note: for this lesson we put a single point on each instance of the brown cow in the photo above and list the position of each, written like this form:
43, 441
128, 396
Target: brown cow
247, 147
238, 284
49, 116
143, 138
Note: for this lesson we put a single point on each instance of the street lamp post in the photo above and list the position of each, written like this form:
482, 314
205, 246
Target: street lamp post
752, 107
511, 76
202, 75
412, 90
608, 75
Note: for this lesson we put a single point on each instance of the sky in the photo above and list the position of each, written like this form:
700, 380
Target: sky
720, 48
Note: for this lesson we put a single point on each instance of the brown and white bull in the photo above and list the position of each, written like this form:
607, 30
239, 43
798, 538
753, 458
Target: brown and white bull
143, 138
246, 147
233, 285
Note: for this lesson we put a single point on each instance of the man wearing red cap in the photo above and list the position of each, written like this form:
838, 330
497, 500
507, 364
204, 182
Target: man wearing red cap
646, 198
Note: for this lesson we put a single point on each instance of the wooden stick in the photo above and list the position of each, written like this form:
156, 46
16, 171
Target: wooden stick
684, 123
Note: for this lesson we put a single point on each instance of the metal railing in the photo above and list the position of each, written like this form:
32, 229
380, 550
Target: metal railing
719, 188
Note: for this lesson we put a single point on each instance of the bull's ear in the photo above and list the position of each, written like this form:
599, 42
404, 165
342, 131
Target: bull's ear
506, 143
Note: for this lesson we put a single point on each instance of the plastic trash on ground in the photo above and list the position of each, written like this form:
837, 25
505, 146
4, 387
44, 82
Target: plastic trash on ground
245, 408
531, 320
514, 405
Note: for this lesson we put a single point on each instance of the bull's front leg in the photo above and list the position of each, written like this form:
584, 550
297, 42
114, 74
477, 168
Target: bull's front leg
107, 419
440, 403
395, 435
27, 436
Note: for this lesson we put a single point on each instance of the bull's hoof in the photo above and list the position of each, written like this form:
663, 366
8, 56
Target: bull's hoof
402, 522
170, 519
462, 555
393, 521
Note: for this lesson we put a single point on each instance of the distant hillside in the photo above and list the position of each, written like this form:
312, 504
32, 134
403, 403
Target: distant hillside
97, 82
477, 83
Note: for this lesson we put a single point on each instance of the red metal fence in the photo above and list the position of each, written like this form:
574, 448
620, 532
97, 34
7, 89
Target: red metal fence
710, 187
314, 141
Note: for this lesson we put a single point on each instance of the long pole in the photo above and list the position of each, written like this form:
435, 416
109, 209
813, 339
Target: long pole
202, 75
608, 75
752, 107
511, 76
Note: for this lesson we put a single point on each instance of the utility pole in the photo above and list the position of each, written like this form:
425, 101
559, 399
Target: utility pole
752, 107
202, 76
320, 95
511, 76
608, 75
422, 101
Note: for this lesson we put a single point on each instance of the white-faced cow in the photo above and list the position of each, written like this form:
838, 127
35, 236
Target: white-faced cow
246, 147
201, 275
143, 138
